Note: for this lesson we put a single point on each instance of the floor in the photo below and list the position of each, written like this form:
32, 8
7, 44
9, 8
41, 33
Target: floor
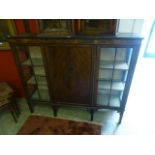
9, 127
138, 117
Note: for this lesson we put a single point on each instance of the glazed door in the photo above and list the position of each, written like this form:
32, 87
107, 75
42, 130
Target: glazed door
70, 74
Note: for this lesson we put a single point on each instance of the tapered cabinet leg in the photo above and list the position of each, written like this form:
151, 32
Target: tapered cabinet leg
92, 114
13, 113
30, 107
55, 110
15, 107
120, 117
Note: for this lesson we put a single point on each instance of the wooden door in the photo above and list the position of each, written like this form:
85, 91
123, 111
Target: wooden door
70, 74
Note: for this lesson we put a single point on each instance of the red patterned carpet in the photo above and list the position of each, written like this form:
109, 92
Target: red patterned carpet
43, 125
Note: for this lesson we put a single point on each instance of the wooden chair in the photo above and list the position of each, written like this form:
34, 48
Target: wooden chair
7, 100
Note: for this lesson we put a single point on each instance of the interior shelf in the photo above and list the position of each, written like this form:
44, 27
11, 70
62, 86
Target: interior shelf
103, 100
106, 74
110, 65
118, 86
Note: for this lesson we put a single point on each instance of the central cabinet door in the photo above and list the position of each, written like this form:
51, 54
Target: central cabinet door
70, 74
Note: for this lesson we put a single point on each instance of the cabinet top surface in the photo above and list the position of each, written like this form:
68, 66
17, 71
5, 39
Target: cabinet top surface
46, 36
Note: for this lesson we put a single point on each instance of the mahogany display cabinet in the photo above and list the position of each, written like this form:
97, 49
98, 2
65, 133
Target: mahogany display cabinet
93, 72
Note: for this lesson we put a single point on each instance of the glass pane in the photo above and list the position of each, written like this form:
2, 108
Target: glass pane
31, 80
105, 74
54, 24
109, 74
37, 61
117, 75
31, 88
98, 24
27, 72
35, 95
27, 62
35, 52
22, 54
113, 70
109, 98
39, 71
107, 54
42, 87
41, 94
44, 95
41, 80
36, 55
121, 54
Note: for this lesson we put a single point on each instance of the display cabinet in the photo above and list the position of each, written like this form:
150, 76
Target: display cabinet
90, 71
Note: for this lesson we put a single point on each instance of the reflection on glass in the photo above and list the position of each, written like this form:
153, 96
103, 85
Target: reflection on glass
97, 23
54, 24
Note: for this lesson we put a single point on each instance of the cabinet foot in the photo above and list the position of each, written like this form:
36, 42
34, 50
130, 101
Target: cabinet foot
15, 106
91, 114
30, 107
120, 117
55, 111
13, 113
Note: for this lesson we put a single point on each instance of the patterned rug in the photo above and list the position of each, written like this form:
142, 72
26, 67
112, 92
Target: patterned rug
43, 125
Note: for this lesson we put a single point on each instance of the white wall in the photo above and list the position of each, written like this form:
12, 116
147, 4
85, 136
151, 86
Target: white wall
136, 26
130, 26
